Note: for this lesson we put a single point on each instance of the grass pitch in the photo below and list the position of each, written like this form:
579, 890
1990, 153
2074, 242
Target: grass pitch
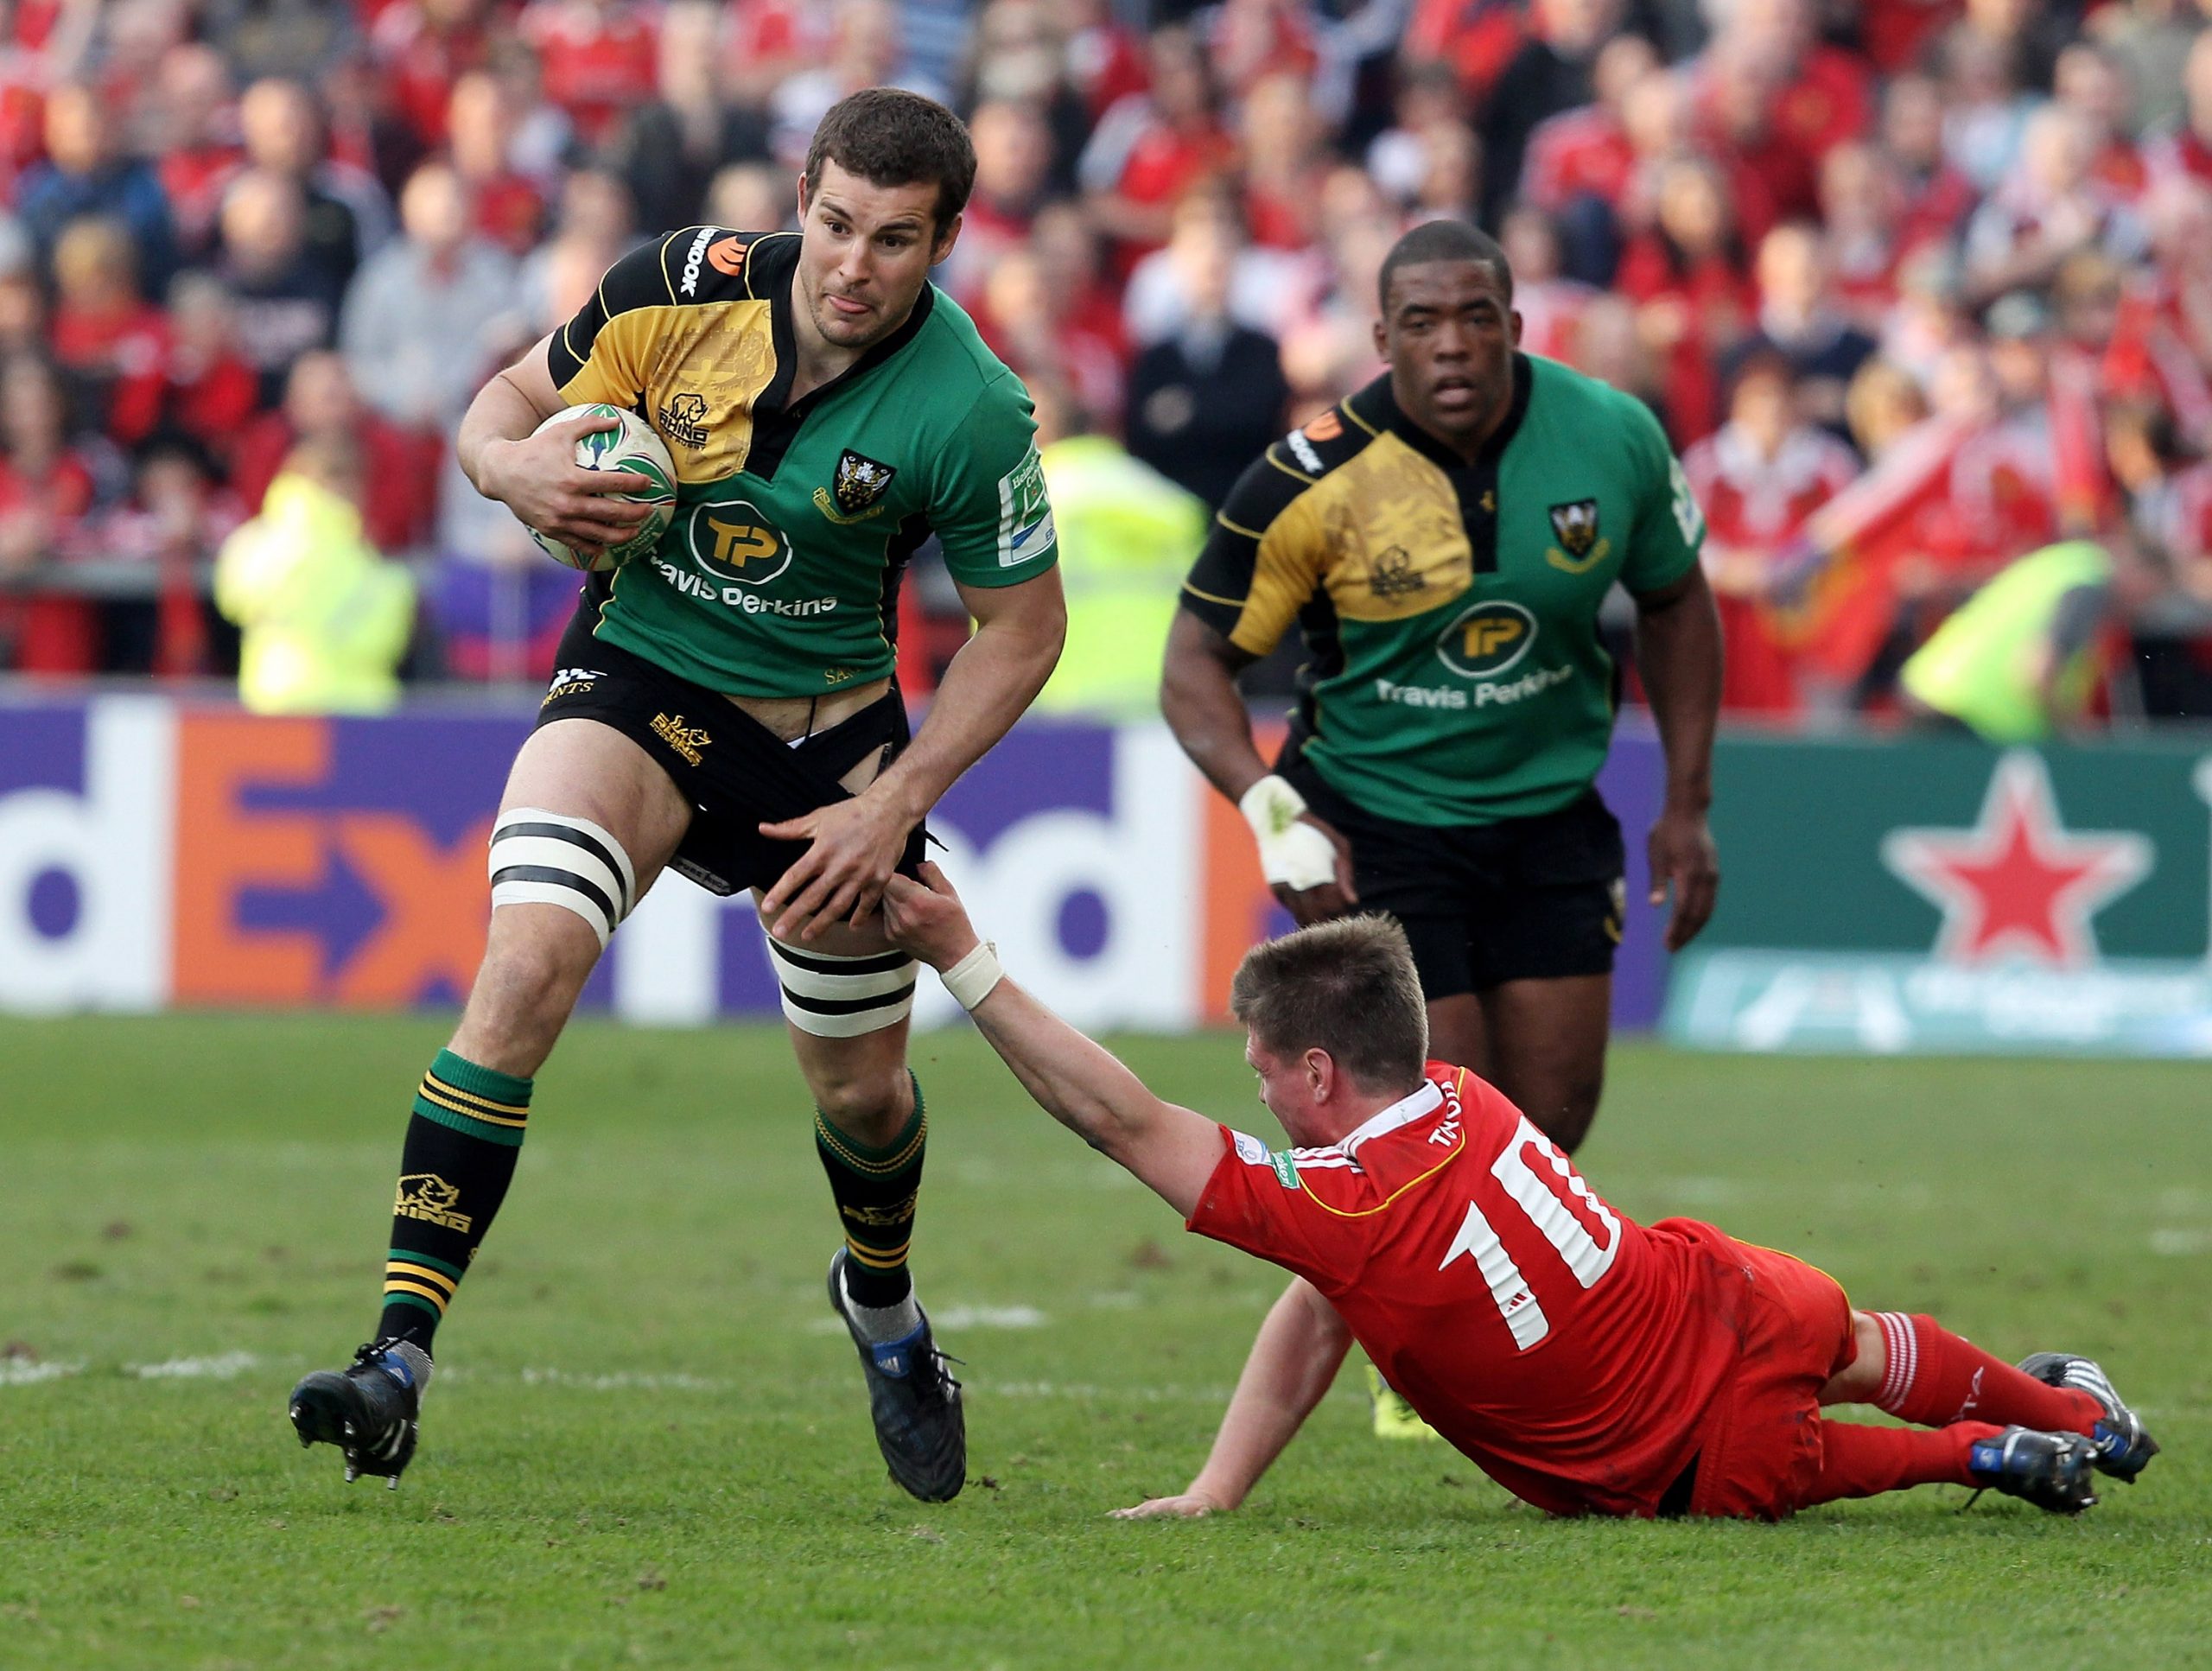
648, 1444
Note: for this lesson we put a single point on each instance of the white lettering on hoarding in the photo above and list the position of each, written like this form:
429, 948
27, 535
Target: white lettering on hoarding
103, 851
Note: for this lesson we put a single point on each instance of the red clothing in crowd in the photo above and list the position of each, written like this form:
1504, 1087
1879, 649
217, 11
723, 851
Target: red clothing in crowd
401, 465
1106, 63
1754, 507
194, 180
2156, 355
1893, 32
1551, 315
1935, 207
418, 63
597, 63
509, 210
1478, 38
2180, 155
1829, 101
1719, 302
1578, 153
1153, 163
123, 356
53, 634
212, 402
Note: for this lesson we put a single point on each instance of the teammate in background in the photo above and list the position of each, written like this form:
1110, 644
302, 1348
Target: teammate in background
1588, 1364
1444, 538
726, 708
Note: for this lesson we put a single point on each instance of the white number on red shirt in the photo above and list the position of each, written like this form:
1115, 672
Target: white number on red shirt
1538, 1194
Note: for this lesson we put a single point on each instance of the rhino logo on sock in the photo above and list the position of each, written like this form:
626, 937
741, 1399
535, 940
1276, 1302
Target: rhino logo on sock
426, 1196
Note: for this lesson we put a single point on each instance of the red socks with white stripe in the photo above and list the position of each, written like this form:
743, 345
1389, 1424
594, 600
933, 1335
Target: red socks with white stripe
1936, 1378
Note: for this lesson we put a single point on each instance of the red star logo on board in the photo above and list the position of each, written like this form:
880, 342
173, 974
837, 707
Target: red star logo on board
2019, 886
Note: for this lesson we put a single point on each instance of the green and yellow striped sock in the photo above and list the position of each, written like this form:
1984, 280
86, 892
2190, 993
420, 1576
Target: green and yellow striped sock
876, 1190
460, 1156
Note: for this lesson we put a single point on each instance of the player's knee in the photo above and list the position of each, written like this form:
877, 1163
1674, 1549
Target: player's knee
532, 973
869, 1104
1859, 1380
1565, 1113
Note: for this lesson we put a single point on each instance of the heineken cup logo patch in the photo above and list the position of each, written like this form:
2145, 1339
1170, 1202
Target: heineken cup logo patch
860, 482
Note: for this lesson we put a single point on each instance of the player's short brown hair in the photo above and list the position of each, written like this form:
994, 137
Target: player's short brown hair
1347, 987
888, 136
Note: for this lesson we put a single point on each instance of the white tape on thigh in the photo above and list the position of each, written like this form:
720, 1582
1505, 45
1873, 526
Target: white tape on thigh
839, 997
551, 859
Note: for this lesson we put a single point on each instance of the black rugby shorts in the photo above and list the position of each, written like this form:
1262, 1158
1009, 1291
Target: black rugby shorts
1532, 898
737, 773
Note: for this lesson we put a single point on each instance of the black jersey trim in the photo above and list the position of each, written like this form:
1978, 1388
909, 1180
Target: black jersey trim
1474, 483
777, 419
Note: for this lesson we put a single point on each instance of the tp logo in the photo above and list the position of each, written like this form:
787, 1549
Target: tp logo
1487, 639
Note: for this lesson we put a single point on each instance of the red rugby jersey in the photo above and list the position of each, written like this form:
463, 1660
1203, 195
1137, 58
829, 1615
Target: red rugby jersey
1567, 1350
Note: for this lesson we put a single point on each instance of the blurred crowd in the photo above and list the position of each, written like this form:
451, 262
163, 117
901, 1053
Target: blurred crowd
1917, 287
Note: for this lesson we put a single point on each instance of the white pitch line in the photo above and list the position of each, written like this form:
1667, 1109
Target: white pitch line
957, 1317
227, 1367
16, 1372
623, 1381
2181, 1243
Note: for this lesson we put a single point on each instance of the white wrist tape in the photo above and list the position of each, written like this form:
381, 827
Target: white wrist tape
1292, 854
970, 979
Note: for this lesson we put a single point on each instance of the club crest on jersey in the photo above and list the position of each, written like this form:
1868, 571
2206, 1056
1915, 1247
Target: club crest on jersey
1391, 573
1576, 524
683, 420
852, 496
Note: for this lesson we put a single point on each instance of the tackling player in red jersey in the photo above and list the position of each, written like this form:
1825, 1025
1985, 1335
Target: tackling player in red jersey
1588, 1364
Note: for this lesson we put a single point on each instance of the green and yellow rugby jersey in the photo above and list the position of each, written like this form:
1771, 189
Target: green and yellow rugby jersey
779, 575
1454, 674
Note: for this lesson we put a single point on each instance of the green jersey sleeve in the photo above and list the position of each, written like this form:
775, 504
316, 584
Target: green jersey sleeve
988, 503
1668, 529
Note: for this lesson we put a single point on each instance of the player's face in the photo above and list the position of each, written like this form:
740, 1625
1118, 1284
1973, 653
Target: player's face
1286, 1089
865, 252
1449, 334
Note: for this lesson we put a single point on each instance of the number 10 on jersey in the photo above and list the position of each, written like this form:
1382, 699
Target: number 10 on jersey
1549, 1198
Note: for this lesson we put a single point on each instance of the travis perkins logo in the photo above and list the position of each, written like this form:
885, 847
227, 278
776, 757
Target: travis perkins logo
858, 485
686, 741
684, 419
426, 1196
1576, 524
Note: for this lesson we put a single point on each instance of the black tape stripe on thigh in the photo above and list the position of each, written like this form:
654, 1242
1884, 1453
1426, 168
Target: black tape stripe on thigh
849, 1005
881, 964
582, 884
575, 838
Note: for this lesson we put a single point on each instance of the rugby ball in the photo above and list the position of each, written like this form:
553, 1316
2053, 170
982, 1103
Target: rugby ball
637, 449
